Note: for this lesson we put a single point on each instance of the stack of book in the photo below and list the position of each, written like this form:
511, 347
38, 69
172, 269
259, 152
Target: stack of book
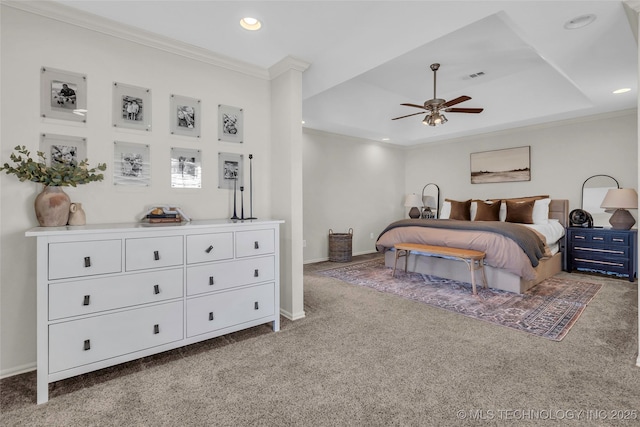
165, 214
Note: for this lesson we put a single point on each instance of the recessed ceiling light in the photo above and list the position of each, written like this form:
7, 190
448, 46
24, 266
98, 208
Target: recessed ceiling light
385, 139
303, 122
251, 24
579, 21
623, 90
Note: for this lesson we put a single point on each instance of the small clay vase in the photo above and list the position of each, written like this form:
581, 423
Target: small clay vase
76, 214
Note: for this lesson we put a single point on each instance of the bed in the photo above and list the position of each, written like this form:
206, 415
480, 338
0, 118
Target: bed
519, 255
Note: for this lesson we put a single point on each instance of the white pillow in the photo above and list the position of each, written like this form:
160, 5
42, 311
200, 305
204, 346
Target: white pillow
445, 212
502, 215
473, 210
541, 211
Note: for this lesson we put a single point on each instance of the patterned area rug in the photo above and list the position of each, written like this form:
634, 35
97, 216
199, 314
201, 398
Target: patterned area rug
547, 310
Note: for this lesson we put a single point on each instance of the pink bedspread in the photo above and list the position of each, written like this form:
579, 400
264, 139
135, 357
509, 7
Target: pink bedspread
501, 252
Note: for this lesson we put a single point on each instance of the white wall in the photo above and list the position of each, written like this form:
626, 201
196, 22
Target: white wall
30, 42
349, 183
563, 155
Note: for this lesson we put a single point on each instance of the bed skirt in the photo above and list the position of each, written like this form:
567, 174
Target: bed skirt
457, 270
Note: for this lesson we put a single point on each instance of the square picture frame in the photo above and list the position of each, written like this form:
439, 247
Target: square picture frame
184, 116
186, 168
63, 95
230, 165
131, 164
131, 107
230, 124
506, 165
63, 149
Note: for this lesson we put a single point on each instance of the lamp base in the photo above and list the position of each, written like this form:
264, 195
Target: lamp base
414, 213
622, 220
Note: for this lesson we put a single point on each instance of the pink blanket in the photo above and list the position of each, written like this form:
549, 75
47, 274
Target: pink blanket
501, 252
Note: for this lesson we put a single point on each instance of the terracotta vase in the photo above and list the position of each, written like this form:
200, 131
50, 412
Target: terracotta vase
52, 207
77, 215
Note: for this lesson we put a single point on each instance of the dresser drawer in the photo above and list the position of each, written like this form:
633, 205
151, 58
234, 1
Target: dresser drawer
218, 276
78, 259
68, 299
255, 242
90, 340
212, 312
209, 247
600, 251
606, 265
153, 252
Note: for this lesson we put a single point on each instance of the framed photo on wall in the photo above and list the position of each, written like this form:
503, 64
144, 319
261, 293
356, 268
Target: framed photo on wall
63, 150
63, 95
507, 165
186, 168
184, 116
131, 164
131, 107
230, 169
230, 123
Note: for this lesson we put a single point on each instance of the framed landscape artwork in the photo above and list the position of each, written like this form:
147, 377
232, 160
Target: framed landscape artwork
507, 165
131, 107
63, 95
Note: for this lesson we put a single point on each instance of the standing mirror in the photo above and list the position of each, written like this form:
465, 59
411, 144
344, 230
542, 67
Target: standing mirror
430, 201
594, 189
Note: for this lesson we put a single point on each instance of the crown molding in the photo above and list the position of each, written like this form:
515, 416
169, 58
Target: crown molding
287, 63
59, 12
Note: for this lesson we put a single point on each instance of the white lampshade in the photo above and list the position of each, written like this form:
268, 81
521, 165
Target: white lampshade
620, 198
412, 200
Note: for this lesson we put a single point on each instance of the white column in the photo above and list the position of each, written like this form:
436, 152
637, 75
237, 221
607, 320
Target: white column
286, 179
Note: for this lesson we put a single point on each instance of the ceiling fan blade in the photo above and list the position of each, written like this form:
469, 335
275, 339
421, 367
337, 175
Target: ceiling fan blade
408, 115
458, 100
464, 110
415, 105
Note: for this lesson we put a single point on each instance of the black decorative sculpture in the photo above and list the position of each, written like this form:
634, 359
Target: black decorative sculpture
251, 188
235, 215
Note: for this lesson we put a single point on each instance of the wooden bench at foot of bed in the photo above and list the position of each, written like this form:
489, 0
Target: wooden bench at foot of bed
473, 259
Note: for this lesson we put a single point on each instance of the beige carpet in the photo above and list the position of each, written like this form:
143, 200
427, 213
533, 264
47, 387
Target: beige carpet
363, 358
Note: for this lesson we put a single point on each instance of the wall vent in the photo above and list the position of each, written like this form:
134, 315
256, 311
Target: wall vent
478, 74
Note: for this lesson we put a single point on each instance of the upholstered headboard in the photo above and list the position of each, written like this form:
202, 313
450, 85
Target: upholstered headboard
559, 209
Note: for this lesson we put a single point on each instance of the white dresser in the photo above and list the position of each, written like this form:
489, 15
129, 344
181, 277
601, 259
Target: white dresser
112, 293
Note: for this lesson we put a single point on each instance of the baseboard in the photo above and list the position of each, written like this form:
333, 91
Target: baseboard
323, 259
6, 373
291, 316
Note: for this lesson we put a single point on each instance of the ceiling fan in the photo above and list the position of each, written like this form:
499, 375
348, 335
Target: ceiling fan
436, 106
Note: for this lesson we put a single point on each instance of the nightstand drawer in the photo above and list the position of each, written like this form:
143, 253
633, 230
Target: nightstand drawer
79, 259
606, 265
600, 251
611, 238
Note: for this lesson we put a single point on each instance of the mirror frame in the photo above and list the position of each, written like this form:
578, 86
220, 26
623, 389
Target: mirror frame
583, 187
437, 200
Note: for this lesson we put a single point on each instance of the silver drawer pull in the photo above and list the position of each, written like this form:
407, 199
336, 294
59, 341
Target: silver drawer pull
156, 255
617, 239
255, 273
156, 329
597, 238
256, 245
86, 300
87, 345
615, 264
211, 315
578, 237
87, 261
209, 249
211, 281
256, 306
156, 289
607, 251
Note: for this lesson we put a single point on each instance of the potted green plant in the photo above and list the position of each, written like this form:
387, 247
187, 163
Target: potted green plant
52, 204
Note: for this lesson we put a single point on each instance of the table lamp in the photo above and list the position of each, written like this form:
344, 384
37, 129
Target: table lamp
621, 199
413, 201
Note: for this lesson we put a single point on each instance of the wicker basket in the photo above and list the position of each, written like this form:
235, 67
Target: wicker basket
340, 246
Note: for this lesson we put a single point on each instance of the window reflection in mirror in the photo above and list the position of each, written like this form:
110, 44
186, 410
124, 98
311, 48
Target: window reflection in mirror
594, 189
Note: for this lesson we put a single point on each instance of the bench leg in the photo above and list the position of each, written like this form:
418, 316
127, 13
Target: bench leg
400, 253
